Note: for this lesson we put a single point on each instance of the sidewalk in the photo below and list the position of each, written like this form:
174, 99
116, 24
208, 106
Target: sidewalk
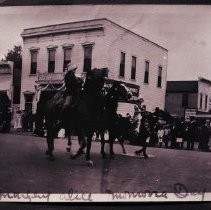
20, 132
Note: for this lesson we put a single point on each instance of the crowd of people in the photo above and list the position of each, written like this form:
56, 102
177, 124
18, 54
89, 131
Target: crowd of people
24, 121
176, 134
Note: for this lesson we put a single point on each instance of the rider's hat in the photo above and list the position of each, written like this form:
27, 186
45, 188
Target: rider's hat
71, 67
136, 107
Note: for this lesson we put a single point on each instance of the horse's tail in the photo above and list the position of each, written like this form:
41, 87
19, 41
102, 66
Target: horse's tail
53, 107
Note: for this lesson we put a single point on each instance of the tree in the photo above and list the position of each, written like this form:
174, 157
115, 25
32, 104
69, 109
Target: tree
15, 55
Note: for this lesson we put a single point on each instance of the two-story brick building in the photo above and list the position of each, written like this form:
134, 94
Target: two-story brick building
187, 95
99, 43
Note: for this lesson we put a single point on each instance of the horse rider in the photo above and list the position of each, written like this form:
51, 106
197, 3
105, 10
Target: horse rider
73, 86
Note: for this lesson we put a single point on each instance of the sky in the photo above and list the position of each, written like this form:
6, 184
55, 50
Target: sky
184, 30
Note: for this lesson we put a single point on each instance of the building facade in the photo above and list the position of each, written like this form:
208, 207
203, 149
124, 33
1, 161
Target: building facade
99, 43
6, 78
186, 95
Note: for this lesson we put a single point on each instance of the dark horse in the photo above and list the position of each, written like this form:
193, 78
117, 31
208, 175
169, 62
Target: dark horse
111, 120
83, 118
122, 128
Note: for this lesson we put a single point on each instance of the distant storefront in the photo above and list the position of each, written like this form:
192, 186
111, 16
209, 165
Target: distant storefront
6, 78
189, 98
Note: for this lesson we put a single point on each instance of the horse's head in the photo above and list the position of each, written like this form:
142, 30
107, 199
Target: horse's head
120, 91
95, 79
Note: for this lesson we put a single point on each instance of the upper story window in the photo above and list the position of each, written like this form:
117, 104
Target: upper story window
51, 60
201, 99
184, 100
87, 57
122, 65
133, 68
159, 83
67, 57
146, 73
206, 100
33, 69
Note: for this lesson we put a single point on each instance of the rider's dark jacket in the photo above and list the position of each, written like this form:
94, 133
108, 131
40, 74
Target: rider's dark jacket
73, 84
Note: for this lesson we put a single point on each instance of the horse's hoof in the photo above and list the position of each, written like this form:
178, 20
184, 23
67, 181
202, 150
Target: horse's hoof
82, 152
51, 158
124, 152
103, 155
90, 163
137, 153
146, 156
105, 170
72, 157
47, 152
112, 156
67, 149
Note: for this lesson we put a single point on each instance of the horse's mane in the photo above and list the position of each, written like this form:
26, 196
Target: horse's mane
112, 99
95, 80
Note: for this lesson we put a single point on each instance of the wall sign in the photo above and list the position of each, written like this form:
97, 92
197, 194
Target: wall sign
189, 113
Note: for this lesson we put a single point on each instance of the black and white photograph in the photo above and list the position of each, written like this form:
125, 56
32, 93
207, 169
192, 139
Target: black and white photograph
105, 103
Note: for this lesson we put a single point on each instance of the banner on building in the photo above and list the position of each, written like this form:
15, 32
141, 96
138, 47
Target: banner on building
189, 113
132, 87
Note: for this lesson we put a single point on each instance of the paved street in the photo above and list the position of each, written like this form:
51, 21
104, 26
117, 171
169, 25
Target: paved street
24, 167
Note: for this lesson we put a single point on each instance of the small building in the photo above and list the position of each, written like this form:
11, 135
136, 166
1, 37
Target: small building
6, 78
188, 98
100, 43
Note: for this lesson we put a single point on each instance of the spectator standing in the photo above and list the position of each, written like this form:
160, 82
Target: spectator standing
179, 135
17, 123
173, 135
137, 118
207, 135
166, 136
30, 121
160, 134
144, 134
25, 121
204, 136
192, 134
185, 131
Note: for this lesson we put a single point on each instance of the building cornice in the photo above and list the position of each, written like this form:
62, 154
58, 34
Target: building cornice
204, 80
34, 48
67, 45
84, 26
68, 28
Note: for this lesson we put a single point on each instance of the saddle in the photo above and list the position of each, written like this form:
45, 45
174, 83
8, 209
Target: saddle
56, 102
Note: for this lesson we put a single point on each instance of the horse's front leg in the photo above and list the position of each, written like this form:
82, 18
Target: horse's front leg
82, 143
88, 150
69, 144
111, 144
121, 142
102, 141
144, 150
139, 141
50, 143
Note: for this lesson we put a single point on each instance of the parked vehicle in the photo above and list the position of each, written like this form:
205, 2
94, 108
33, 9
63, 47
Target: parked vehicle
5, 112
